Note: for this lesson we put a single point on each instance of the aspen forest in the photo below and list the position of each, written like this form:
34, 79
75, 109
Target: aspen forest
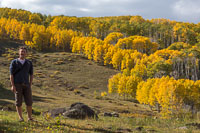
158, 59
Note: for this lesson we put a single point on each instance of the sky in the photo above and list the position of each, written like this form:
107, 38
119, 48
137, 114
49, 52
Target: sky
178, 10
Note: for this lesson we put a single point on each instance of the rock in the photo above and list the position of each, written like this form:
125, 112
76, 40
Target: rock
71, 89
83, 87
139, 128
4, 64
56, 112
8, 107
107, 114
121, 130
76, 92
82, 95
197, 125
101, 130
80, 111
183, 128
125, 111
151, 130
113, 114
110, 101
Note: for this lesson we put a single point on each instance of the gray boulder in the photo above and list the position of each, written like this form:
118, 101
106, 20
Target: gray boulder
80, 111
113, 114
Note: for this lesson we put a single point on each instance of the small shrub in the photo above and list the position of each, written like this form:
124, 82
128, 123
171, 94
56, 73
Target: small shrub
58, 62
103, 94
77, 91
56, 72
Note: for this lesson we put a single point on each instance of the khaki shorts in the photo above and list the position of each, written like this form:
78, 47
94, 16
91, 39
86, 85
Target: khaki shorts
23, 91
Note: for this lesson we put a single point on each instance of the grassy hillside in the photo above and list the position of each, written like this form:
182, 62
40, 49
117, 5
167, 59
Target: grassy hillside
62, 78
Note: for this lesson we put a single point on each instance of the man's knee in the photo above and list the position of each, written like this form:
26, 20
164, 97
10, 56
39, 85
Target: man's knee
28, 102
18, 104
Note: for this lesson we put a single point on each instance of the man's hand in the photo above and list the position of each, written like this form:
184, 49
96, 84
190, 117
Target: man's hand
30, 86
13, 89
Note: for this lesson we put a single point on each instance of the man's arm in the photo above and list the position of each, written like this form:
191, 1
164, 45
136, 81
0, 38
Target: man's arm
31, 80
13, 88
31, 74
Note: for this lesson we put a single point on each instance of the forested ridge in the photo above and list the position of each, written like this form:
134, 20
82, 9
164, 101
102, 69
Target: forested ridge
158, 58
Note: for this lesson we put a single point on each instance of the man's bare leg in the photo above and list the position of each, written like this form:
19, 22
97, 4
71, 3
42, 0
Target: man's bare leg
29, 112
19, 111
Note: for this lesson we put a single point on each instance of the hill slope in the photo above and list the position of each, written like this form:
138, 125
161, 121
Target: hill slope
61, 79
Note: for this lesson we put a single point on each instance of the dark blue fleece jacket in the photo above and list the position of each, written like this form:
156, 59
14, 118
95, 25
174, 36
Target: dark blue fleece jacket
21, 72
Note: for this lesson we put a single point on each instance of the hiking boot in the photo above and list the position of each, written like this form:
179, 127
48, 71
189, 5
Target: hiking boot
31, 120
21, 120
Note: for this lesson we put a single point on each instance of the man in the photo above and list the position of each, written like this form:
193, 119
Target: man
21, 77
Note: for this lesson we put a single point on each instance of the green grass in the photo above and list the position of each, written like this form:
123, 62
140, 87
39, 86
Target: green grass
61, 79
8, 123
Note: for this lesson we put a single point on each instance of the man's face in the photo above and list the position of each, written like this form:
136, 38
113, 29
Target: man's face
22, 53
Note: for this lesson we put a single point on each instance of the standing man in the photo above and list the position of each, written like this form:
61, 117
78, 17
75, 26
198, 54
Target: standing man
21, 77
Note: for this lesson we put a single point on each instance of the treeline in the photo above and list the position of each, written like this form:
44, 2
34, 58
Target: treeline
36, 36
162, 31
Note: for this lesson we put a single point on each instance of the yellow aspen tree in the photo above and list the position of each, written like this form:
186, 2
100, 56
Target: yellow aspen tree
52, 30
96, 42
98, 53
124, 43
70, 34
143, 91
89, 47
8, 28
122, 90
106, 47
126, 58
36, 42
136, 56
130, 58
165, 96
81, 45
25, 33
179, 46
131, 85
153, 93
58, 39
117, 59
144, 45
3, 22
108, 55
41, 38
136, 19
11, 28
113, 38
33, 28
15, 29
74, 44
139, 70
113, 83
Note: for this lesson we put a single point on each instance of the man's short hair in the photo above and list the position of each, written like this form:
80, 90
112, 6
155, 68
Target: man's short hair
23, 47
